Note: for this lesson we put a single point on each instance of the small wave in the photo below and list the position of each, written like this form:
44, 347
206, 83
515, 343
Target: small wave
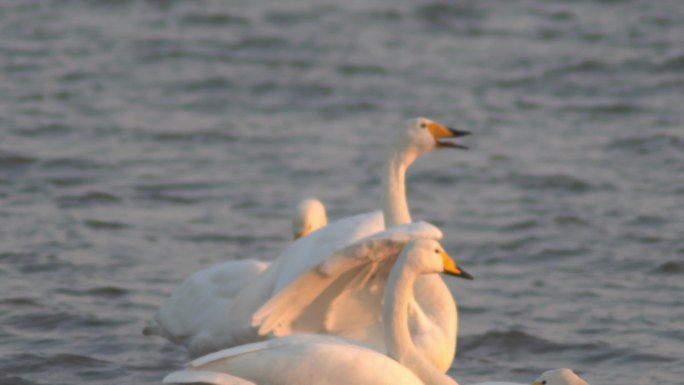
580, 66
646, 144
39, 362
298, 16
609, 107
347, 107
44, 321
521, 225
104, 225
262, 42
571, 220
78, 164
512, 341
447, 11
6, 378
675, 62
93, 198
20, 302
225, 238
214, 19
51, 129
670, 267
200, 136
205, 84
9, 161
360, 69
552, 182
108, 292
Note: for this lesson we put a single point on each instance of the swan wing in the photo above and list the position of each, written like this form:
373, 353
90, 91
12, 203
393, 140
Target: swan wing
343, 294
308, 251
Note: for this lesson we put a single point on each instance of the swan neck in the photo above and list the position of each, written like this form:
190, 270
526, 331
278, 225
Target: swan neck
395, 206
400, 346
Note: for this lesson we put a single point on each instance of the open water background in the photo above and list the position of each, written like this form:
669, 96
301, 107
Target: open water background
143, 140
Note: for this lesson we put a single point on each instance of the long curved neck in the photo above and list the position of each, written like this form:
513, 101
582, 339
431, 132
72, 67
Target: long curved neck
394, 205
398, 294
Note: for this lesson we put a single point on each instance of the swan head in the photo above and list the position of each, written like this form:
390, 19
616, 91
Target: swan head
309, 216
428, 256
423, 135
559, 377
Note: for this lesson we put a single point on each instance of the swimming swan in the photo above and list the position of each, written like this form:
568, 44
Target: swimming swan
326, 360
199, 306
433, 319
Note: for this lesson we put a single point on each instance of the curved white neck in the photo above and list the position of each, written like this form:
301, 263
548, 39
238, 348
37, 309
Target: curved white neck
394, 204
398, 294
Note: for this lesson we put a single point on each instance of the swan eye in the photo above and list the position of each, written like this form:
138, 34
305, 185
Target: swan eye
543, 382
436, 251
423, 125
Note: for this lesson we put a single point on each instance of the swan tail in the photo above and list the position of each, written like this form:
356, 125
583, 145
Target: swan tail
204, 377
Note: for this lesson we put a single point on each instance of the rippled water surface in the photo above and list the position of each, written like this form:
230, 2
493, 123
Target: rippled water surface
143, 140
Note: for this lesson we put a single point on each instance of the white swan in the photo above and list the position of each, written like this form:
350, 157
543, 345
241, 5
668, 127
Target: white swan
198, 307
562, 376
433, 319
326, 360
310, 216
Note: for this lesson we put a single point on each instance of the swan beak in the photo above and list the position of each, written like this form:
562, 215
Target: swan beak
439, 132
451, 268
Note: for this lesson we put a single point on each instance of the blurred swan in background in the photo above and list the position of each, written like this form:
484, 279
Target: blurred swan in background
200, 304
327, 360
310, 216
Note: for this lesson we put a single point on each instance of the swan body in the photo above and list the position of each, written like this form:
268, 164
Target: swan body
327, 360
198, 308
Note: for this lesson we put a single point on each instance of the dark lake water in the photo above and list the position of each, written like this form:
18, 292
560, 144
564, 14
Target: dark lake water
143, 140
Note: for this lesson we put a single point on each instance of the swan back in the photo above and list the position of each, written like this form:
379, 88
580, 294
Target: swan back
297, 359
562, 376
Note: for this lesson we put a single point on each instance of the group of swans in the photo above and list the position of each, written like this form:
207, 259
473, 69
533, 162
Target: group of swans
349, 297
329, 360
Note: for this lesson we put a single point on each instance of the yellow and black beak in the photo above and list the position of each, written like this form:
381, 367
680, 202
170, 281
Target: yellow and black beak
441, 132
451, 268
